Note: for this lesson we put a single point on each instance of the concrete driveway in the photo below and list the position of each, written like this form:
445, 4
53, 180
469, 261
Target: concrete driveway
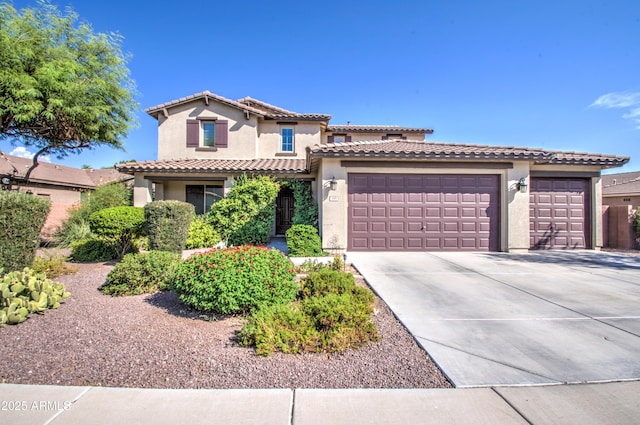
516, 319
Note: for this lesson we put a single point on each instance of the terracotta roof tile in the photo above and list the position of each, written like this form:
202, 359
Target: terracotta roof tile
376, 129
49, 173
205, 95
272, 165
436, 150
621, 183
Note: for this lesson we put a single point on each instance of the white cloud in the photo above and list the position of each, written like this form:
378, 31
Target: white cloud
22, 152
621, 100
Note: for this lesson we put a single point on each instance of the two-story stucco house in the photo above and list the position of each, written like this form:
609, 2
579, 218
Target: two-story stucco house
377, 187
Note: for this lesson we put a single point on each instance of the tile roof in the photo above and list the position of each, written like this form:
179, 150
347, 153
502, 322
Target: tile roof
254, 106
48, 173
272, 165
456, 151
621, 183
376, 129
205, 95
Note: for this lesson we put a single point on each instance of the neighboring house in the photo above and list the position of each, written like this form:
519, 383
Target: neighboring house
620, 201
64, 186
377, 187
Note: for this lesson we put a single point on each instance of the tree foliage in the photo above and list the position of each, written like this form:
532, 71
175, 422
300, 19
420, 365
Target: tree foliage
63, 88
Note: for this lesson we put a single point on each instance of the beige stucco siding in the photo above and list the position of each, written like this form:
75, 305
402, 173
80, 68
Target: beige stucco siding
515, 211
172, 132
270, 140
358, 137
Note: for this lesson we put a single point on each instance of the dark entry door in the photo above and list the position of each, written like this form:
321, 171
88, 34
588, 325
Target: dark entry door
284, 210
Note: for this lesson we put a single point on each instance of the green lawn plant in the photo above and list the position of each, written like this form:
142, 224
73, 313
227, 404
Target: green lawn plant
21, 219
25, 292
141, 273
235, 280
331, 315
167, 224
303, 241
201, 234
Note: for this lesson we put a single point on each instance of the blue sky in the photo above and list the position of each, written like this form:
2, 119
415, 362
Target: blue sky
560, 74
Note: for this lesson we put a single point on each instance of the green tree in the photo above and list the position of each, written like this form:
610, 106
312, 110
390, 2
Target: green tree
63, 88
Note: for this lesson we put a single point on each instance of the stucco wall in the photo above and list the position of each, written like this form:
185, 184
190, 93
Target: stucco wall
270, 140
172, 132
516, 209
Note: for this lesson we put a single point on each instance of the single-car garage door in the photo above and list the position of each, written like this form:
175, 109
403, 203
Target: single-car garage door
397, 212
559, 213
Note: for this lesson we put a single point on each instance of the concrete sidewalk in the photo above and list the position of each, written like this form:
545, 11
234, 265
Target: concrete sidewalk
610, 403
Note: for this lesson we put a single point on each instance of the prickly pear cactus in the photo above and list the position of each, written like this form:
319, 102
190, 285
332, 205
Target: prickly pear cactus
25, 292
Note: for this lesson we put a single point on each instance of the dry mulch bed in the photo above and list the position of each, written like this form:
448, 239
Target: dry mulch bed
154, 341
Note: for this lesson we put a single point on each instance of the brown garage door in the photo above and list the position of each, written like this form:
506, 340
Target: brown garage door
423, 212
559, 213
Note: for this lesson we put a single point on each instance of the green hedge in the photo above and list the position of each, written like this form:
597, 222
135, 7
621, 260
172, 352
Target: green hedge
118, 225
305, 208
201, 234
246, 215
21, 219
168, 224
142, 273
303, 241
235, 280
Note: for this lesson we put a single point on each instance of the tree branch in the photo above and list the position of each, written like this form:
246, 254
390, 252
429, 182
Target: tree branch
35, 163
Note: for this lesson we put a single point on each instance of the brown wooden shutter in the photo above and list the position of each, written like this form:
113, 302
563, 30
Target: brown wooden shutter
347, 139
193, 133
385, 137
330, 139
222, 134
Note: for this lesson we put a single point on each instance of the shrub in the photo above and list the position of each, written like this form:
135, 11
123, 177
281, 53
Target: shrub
201, 234
119, 225
21, 219
76, 226
246, 215
25, 292
305, 208
168, 224
52, 266
636, 223
332, 315
94, 249
141, 273
235, 280
303, 241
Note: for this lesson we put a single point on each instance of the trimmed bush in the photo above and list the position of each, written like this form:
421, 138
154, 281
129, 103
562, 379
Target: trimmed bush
235, 280
303, 241
201, 234
94, 249
636, 224
333, 315
21, 219
168, 224
246, 215
25, 292
119, 225
141, 273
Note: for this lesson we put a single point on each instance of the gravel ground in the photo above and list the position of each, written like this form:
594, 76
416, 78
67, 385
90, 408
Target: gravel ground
153, 341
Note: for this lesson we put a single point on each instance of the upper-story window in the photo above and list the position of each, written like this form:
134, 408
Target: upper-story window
287, 139
207, 134
339, 138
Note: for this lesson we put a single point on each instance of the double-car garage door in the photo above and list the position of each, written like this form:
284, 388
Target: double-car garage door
399, 212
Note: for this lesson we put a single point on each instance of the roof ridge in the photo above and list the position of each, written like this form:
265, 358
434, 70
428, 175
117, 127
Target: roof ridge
202, 94
264, 104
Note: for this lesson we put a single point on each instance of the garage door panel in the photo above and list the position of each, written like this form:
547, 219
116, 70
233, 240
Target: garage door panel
424, 212
559, 213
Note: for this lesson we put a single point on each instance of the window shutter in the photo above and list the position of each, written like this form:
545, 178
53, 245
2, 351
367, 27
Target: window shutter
222, 134
330, 139
347, 139
193, 133
385, 137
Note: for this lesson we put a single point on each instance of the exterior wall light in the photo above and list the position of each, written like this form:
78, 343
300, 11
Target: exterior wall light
522, 185
333, 183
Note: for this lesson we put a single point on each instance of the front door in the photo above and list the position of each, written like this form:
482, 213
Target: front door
284, 210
